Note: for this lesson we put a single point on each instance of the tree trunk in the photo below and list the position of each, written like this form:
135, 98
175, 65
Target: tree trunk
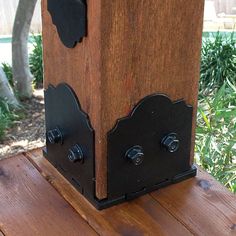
20, 60
6, 90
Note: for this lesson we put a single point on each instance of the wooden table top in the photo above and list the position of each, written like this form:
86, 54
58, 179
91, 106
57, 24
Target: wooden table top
36, 200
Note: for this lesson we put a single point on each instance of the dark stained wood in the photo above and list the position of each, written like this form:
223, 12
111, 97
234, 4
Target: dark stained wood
133, 49
31, 206
82, 206
144, 216
202, 204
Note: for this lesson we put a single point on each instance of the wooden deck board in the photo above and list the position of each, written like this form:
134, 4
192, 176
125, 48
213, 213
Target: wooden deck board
199, 206
29, 205
202, 204
143, 216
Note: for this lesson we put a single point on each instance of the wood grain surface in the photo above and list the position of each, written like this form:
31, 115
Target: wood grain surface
29, 205
144, 216
202, 204
198, 206
133, 49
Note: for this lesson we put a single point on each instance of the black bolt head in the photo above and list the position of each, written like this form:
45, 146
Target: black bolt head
171, 142
54, 136
135, 155
76, 154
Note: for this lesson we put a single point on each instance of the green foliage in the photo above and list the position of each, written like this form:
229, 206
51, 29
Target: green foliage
218, 62
7, 117
216, 135
36, 61
216, 119
8, 71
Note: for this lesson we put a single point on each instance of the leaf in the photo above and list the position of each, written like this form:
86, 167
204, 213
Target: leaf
207, 122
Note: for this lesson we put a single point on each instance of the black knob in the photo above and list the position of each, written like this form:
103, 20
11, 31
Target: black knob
170, 142
54, 136
135, 155
76, 154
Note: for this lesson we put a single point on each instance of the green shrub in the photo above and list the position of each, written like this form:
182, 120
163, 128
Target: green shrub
218, 62
8, 71
216, 119
7, 116
216, 134
36, 61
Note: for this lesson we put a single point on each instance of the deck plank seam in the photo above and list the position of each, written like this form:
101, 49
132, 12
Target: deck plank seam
157, 202
45, 177
174, 216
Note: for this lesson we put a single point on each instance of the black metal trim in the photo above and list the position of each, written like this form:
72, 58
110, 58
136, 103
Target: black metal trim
70, 18
64, 113
153, 120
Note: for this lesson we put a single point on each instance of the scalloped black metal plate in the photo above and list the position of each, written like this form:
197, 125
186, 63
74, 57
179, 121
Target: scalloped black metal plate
154, 117
63, 110
70, 18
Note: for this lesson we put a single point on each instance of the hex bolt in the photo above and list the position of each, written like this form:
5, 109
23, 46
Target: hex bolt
170, 142
76, 154
135, 155
54, 136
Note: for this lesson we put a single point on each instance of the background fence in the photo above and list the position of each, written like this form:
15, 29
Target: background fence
7, 15
8, 9
226, 6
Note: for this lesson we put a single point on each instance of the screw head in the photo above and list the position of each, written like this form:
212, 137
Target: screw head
170, 142
135, 155
76, 154
54, 136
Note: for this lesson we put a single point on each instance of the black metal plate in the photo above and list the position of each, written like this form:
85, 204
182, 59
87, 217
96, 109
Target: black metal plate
153, 118
70, 18
64, 111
